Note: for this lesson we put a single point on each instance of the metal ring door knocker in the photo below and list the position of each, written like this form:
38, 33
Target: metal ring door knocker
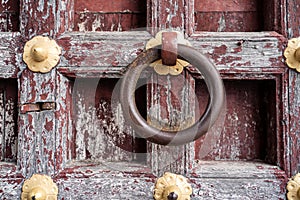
138, 123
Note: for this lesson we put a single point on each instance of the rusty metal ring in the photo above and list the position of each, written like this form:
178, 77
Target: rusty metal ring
138, 123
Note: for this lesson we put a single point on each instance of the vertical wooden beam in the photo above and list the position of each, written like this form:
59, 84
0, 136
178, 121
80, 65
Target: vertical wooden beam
37, 131
63, 124
171, 106
292, 18
293, 30
170, 14
45, 17
8, 116
294, 111
170, 98
2, 124
10, 121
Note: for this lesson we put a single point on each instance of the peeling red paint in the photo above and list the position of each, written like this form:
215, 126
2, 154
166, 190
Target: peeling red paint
220, 50
245, 56
48, 125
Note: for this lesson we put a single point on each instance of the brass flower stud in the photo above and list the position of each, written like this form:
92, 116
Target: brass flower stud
41, 54
293, 188
39, 187
172, 187
292, 54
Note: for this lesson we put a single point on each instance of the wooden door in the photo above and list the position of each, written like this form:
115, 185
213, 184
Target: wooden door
84, 144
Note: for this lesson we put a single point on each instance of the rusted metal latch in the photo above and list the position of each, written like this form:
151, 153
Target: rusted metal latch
169, 64
37, 107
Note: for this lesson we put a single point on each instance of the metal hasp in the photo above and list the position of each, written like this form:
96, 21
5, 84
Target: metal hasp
41, 54
172, 187
169, 63
214, 107
292, 54
36, 107
39, 187
293, 188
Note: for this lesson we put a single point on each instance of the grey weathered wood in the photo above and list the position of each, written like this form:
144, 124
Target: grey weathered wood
171, 106
253, 52
99, 125
51, 17
2, 124
9, 64
292, 30
294, 112
36, 130
216, 180
242, 54
37, 142
11, 179
63, 128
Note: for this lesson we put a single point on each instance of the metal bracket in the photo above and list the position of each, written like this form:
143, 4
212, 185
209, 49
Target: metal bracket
37, 107
39, 187
169, 64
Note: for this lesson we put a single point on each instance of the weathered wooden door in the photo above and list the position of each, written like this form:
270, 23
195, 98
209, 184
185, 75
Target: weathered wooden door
83, 143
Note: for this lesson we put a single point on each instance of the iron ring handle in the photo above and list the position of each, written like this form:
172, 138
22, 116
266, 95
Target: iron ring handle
211, 77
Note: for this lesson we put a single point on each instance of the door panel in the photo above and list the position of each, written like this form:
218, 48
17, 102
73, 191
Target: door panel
225, 16
109, 15
248, 132
9, 15
99, 127
8, 120
49, 141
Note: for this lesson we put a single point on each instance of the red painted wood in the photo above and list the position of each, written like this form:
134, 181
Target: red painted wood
117, 21
226, 5
63, 124
293, 18
45, 138
100, 131
227, 15
171, 106
110, 6
9, 16
227, 21
167, 15
51, 18
2, 122
109, 15
244, 15
10, 62
8, 115
37, 129
292, 29
249, 129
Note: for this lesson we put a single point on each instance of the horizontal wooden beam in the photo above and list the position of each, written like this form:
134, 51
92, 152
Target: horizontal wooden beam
108, 53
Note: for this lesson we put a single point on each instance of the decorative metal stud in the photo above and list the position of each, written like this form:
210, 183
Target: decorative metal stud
39, 187
293, 188
292, 54
41, 54
162, 69
172, 187
158, 65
